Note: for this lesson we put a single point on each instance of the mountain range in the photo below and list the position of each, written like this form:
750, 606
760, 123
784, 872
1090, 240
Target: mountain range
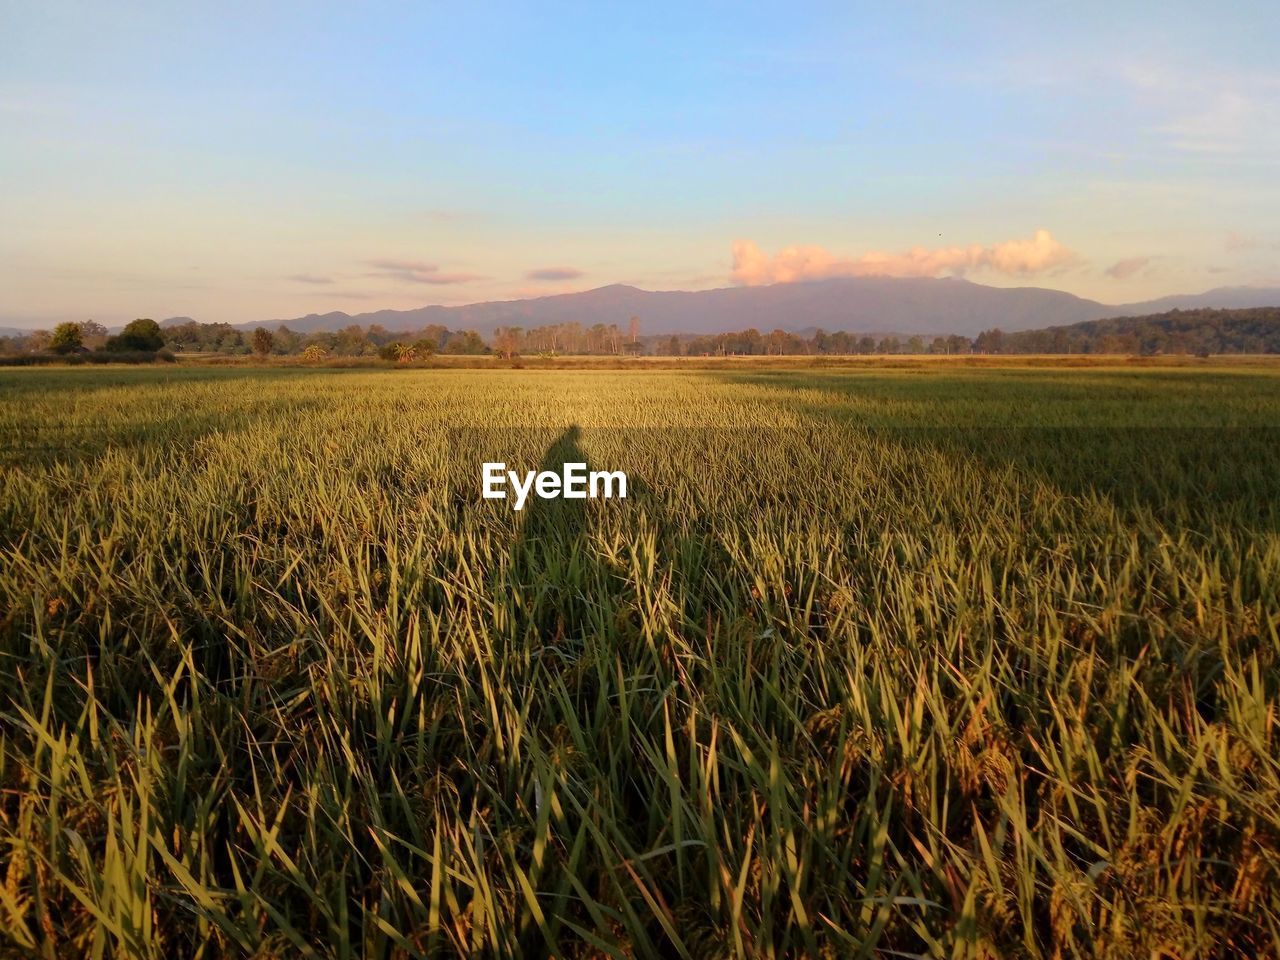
870, 305
855, 304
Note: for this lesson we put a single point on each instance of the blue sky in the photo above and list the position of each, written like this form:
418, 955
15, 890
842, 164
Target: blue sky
233, 163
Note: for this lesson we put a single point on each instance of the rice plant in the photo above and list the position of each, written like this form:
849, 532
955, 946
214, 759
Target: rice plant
938, 662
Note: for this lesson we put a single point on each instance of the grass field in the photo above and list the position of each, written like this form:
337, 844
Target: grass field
934, 661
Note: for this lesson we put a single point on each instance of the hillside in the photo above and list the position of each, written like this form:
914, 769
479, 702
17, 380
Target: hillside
857, 305
861, 305
1252, 330
1219, 298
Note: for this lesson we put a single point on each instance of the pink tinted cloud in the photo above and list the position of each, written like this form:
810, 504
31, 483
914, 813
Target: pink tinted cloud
1124, 269
554, 274
415, 271
1238, 242
1037, 254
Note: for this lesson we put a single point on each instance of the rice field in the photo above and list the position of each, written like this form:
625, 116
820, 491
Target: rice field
934, 662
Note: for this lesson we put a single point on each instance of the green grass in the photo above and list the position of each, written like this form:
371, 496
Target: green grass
933, 661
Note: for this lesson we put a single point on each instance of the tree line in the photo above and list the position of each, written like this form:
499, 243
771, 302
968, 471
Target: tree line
612, 340
145, 336
88, 336
1200, 331
352, 340
751, 342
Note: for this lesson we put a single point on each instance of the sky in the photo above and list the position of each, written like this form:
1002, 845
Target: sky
239, 162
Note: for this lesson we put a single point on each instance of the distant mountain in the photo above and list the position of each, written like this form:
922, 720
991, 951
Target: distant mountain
856, 304
862, 305
1219, 298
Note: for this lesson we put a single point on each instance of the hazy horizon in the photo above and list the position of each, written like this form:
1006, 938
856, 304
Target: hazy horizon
243, 165
373, 309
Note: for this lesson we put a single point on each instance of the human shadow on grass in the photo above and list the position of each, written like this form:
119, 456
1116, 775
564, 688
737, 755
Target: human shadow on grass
595, 680
555, 582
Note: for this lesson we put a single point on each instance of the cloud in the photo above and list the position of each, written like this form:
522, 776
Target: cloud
1221, 113
553, 274
415, 271
310, 278
1124, 269
1238, 242
1223, 124
1041, 252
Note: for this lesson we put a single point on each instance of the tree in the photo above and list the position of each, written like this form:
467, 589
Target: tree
465, 342
66, 338
286, 340
263, 341
506, 340
142, 334
230, 341
315, 353
405, 353
635, 329
92, 334
350, 340
435, 333
595, 338
424, 347
990, 341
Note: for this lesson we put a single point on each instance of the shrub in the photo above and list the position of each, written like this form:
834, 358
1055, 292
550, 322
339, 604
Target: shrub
94, 358
138, 335
66, 338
